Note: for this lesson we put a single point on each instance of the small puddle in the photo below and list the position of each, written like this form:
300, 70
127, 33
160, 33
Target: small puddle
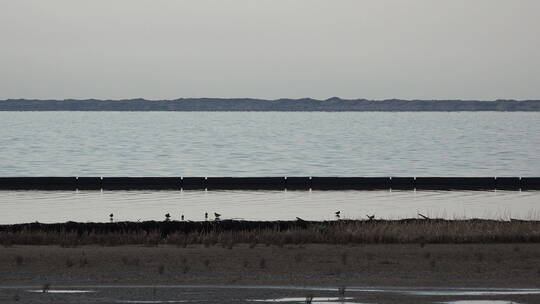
479, 302
152, 301
59, 291
456, 293
451, 291
315, 300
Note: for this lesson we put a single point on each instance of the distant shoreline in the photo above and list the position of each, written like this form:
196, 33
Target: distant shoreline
262, 105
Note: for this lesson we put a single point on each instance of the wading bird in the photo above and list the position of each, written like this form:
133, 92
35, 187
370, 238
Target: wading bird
423, 216
182, 217
167, 217
371, 217
217, 215
338, 214
111, 217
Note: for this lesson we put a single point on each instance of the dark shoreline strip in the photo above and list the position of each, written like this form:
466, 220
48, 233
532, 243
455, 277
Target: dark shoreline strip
334, 104
270, 183
273, 232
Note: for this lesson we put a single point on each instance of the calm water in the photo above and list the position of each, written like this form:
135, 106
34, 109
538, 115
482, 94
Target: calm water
262, 144
61, 206
267, 144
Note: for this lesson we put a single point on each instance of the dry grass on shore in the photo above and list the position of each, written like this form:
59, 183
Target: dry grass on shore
337, 232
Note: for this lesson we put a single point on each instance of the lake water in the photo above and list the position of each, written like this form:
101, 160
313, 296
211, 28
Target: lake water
267, 144
62, 206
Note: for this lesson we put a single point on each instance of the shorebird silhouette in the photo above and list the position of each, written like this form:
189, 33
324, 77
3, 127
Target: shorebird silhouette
338, 214
206, 216
167, 217
217, 215
423, 216
182, 217
371, 217
111, 217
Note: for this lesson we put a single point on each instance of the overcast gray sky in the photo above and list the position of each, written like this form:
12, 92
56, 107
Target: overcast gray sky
427, 49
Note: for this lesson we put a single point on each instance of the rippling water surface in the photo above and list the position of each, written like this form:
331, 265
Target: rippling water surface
61, 206
262, 144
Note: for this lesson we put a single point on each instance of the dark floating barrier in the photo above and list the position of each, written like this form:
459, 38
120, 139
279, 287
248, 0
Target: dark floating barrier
270, 183
455, 183
141, 183
508, 183
245, 183
530, 183
298, 183
350, 183
89, 183
194, 183
403, 183
38, 183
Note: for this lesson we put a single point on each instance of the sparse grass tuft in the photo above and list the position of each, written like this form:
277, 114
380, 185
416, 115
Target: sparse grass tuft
185, 269
83, 262
370, 256
19, 260
130, 261
69, 263
479, 256
344, 258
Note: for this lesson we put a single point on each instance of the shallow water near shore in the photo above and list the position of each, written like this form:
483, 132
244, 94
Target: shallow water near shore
269, 294
85, 206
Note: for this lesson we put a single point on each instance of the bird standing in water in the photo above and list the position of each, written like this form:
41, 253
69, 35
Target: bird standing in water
338, 214
206, 216
217, 215
111, 217
167, 217
182, 217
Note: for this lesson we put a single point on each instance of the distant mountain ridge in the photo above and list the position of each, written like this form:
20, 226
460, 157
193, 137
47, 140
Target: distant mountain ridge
333, 104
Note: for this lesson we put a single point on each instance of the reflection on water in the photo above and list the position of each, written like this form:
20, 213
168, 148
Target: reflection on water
313, 300
450, 291
69, 291
153, 301
61, 206
150, 294
474, 293
480, 302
